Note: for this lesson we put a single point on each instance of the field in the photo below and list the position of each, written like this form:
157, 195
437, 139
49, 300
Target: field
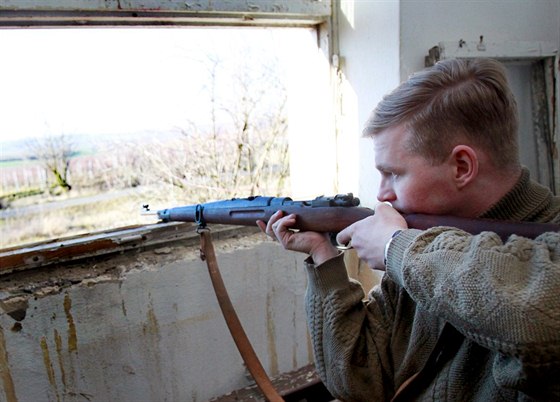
31, 213
110, 186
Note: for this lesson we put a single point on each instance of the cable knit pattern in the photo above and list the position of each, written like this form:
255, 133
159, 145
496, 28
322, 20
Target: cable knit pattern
503, 298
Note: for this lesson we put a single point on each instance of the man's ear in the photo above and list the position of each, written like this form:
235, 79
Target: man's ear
464, 162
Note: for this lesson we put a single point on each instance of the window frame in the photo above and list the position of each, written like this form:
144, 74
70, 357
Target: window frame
48, 13
157, 13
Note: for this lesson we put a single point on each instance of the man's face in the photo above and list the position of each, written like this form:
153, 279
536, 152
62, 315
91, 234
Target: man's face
408, 181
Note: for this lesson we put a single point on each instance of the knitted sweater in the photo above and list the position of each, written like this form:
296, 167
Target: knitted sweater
501, 299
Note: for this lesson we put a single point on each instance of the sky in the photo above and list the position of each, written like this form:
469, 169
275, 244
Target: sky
111, 81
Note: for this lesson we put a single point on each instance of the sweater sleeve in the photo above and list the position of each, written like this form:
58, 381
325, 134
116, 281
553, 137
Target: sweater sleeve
503, 296
350, 335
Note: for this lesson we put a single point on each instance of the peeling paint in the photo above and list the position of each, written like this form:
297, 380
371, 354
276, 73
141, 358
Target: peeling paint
72, 336
7, 380
48, 290
88, 282
156, 329
16, 307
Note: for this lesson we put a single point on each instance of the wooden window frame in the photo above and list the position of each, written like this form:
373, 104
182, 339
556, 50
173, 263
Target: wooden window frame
117, 13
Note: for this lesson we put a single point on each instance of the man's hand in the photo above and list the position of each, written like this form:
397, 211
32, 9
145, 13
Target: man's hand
317, 245
370, 235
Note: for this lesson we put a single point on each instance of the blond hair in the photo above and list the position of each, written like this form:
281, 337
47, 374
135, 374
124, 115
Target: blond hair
455, 101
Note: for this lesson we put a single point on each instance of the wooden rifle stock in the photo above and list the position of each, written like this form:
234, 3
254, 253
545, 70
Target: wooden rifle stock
333, 214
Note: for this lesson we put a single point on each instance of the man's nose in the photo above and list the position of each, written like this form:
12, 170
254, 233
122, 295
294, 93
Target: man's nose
386, 193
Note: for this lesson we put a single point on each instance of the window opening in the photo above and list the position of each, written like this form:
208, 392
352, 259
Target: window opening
97, 121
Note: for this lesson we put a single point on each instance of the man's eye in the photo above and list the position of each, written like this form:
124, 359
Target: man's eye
389, 175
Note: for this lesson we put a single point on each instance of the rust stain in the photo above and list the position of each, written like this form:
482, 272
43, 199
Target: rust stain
198, 318
58, 343
152, 338
49, 366
7, 380
152, 325
271, 331
72, 336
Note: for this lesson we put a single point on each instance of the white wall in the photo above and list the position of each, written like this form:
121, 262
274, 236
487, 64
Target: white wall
425, 23
369, 47
383, 42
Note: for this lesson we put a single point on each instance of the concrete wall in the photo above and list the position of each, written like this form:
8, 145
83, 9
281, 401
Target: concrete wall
147, 327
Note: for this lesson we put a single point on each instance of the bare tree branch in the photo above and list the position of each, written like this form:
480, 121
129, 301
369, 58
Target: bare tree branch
54, 153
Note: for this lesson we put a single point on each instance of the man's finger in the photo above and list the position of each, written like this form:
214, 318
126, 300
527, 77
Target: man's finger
344, 237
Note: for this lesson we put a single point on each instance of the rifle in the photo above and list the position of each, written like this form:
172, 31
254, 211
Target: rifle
323, 214
331, 215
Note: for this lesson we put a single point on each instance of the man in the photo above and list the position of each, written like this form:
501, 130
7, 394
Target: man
456, 317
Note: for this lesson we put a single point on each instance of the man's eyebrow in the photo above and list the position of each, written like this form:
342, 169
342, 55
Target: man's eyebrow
383, 168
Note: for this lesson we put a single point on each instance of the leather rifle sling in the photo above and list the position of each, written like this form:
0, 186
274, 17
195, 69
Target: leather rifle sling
234, 325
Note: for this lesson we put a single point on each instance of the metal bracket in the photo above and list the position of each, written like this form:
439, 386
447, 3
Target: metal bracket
199, 218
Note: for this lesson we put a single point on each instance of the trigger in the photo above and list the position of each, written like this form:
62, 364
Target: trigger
339, 246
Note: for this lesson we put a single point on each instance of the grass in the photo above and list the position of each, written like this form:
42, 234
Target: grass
51, 223
68, 221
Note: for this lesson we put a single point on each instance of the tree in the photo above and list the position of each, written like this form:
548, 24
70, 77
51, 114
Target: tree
241, 148
54, 153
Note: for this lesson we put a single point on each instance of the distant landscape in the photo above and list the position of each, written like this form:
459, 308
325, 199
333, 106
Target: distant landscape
111, 178
172, 116
21, 171
101, 196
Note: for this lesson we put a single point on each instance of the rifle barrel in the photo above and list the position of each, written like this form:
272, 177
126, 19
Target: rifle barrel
333, 214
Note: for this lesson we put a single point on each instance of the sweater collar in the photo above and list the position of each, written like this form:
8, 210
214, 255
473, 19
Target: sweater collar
526, 201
